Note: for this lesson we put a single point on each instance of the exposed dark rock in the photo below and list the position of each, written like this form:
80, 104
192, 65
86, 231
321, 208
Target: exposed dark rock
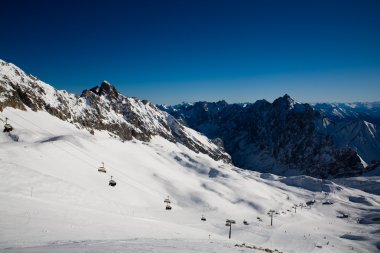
281, 137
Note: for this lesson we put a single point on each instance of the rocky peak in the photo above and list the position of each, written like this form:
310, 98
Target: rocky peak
261, 105
222, 103
104, 89
284, 102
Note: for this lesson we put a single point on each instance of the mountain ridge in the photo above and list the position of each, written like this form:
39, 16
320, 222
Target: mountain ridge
284, 136
101, 107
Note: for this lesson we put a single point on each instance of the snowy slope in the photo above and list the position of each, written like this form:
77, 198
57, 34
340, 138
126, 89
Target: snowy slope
54, 199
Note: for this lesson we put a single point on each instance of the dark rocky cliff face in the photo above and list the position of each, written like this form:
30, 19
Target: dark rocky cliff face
283, 137
100, 108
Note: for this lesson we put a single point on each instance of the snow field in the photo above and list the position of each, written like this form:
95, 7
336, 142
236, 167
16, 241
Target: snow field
54, 199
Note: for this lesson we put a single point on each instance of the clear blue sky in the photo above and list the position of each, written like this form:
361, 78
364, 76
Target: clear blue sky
174, 51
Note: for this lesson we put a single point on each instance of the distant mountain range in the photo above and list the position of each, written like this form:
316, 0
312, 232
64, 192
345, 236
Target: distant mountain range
286, 137
283, 137
369, 112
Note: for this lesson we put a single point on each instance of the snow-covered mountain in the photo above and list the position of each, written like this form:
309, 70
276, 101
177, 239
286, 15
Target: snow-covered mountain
369, 111
102, 108
285, 137
55, 200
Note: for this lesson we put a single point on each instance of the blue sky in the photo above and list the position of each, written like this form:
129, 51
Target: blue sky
174, 51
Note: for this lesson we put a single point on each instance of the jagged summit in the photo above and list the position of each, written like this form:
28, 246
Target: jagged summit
285, 102
104, 89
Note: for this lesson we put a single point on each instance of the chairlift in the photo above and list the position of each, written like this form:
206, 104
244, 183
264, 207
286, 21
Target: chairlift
343, 216
229, 222
168, 207
102, 168
245, 222
7, 127
203, 218
112, 182
167, 200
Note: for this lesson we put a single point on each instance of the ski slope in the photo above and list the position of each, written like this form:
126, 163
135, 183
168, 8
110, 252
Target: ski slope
53, 199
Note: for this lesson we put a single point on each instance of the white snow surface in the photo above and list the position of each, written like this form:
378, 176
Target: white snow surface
53, 199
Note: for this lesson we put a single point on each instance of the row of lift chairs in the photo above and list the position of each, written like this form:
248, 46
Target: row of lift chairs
8, 128
102, 169
167, 201
203, 218
168, 207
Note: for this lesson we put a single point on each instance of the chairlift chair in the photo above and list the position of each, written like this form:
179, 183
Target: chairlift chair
230, 221
168, 207
203, 218
167, 200
112, 182
245, 222
102, 168
7, 127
